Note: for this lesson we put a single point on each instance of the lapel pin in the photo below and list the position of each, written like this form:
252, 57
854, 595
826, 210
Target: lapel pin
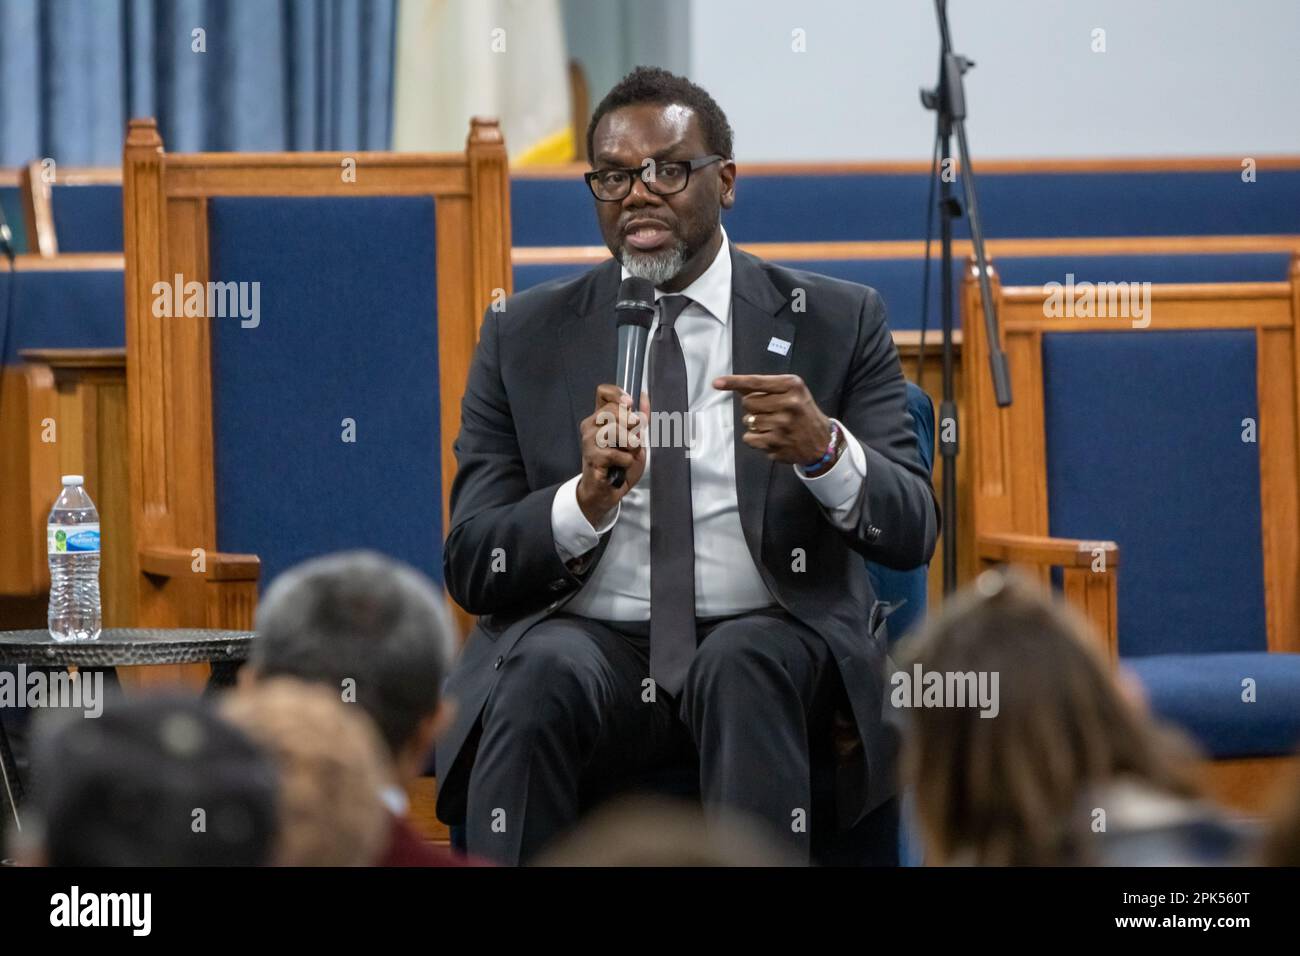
779, 346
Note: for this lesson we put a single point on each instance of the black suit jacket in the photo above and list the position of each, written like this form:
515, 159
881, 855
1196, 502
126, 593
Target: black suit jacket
534, 379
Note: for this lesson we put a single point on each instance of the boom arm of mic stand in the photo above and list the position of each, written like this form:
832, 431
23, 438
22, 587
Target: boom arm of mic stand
997, 357
954, 97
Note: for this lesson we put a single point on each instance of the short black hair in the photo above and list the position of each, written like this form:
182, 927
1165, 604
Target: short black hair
122, 790
650, 84
364, 618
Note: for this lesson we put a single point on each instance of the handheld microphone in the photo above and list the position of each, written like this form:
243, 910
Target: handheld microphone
635, 310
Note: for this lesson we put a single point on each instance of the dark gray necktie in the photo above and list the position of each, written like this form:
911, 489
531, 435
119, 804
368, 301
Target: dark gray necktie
672, 527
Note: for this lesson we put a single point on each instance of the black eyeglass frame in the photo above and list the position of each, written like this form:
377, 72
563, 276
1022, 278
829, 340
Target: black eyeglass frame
638, 172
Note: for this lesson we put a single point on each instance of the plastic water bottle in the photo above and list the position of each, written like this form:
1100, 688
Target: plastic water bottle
73, 546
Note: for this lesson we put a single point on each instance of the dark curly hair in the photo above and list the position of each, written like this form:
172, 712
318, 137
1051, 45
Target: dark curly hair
650, 84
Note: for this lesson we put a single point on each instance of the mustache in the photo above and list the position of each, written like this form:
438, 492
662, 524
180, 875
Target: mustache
645, 221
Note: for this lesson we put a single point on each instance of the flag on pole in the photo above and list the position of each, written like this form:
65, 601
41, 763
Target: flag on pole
463, 58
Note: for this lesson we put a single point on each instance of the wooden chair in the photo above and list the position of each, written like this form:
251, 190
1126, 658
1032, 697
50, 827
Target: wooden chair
1174, 445
76, 210
372, 271
66, 306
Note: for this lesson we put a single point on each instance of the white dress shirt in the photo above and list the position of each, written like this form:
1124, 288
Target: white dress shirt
726, 578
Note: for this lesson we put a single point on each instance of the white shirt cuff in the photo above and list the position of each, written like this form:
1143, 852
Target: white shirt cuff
573, 533
838, 488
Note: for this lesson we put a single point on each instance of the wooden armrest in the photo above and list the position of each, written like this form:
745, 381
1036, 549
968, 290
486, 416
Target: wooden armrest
167, 562
1091, 588
1045, 551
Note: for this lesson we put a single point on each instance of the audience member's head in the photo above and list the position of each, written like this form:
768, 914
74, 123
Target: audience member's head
375, 631
1013, 787
331, 768
151, 782
649, 831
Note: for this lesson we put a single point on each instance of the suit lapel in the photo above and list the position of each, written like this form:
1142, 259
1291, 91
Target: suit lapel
758, 337
588, 342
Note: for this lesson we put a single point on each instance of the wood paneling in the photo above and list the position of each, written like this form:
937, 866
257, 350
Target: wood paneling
1250, 785
90, 417
29, 476
423, 797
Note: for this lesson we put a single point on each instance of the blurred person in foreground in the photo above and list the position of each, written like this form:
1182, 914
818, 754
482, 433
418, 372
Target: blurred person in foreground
331, 769
1282, 846
152, 782
377, 633
1068, 768
657, 831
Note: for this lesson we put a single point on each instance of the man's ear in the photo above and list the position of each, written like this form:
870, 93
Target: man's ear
727, 181
246, 677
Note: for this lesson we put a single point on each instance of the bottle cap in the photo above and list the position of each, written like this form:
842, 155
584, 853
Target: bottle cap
73, 480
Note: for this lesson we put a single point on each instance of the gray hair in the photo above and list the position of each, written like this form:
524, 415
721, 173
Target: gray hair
373, 629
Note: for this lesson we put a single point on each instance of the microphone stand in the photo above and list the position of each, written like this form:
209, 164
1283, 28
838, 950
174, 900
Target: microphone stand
948, 100
10, 787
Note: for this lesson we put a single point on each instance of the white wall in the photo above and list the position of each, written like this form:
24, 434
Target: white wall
1179, 77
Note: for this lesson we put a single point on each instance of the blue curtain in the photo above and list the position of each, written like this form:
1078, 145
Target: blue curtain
273, 75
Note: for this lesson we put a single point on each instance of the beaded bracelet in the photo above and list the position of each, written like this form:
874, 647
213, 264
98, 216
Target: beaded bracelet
830, 451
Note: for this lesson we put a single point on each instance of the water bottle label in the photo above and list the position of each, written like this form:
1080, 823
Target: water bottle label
79, 538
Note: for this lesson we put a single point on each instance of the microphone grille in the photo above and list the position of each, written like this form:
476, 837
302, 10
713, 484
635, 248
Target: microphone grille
636, 301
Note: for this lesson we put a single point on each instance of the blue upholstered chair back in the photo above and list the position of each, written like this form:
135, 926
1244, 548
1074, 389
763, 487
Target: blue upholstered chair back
1145, 447
346, 346
899, 281
87, 218
907, 591
824, 207
63, 308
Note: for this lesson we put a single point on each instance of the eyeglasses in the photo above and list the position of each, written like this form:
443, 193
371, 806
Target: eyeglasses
661, 178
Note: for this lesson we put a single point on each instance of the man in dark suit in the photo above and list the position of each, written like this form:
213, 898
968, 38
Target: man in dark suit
736, 623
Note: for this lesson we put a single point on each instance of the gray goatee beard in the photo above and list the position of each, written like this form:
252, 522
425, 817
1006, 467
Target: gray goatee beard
657, 267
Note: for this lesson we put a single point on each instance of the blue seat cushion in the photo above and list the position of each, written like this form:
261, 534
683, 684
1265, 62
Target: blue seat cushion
1202, 693
345, 335
1144, 447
